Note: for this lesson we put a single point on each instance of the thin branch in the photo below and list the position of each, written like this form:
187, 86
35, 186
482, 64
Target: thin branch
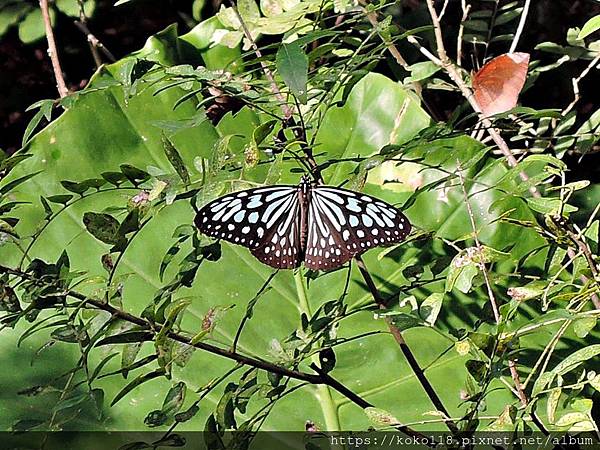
53, 51
410, 357
372, 17
437, 30
262, 290
575, 83
587, 253
461, 29
517, 380
511, 363
443, 10
520, 27
95, 44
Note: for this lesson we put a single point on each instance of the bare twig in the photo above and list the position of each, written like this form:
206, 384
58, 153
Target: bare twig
437, 30
511, 363
517, 380
262, 290
53, 51
520, 27
95, 44
585, 250
465, 9
575, 83
443, 10
410, 357
372, 17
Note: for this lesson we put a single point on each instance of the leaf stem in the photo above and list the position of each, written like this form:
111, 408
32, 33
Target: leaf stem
330, 409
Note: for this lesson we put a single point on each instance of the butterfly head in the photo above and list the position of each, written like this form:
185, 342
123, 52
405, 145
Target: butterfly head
305, 183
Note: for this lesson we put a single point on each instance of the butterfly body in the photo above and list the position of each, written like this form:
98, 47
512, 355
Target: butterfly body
320, 226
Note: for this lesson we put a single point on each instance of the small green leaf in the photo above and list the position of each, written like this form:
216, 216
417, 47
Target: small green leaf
60, 199
70, 402
141, 379
573, 360
225, 411
552, 403
46, 206
292, 65
583, 326
130, 223
77, 188
156, 418
101, 366
32, 27
72, 7
174, 399
98, 399
431, 307
571, 419
8, 187
175, 159
548, 205
506, 420
508, 16
422, 70
133, 174
103, 227
114, 178
66, 334
126, 338
26, 424
477, 369
404, 321
187, 414
591, 26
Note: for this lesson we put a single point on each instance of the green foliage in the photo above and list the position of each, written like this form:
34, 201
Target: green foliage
27, 16
100, 256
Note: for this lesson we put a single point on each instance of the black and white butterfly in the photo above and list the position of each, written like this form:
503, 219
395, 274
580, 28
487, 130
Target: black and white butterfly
320, 226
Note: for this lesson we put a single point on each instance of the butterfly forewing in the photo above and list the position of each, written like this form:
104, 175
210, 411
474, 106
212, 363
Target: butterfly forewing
240, 216
342, 224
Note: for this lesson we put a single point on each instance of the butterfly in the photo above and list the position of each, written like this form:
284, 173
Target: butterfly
320, 226
497, 85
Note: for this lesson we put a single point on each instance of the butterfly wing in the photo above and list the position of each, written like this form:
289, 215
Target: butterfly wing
497, 85
343, 223
265, 220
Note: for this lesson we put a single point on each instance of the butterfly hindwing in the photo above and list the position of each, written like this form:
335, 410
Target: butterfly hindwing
281, 246
345, 223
